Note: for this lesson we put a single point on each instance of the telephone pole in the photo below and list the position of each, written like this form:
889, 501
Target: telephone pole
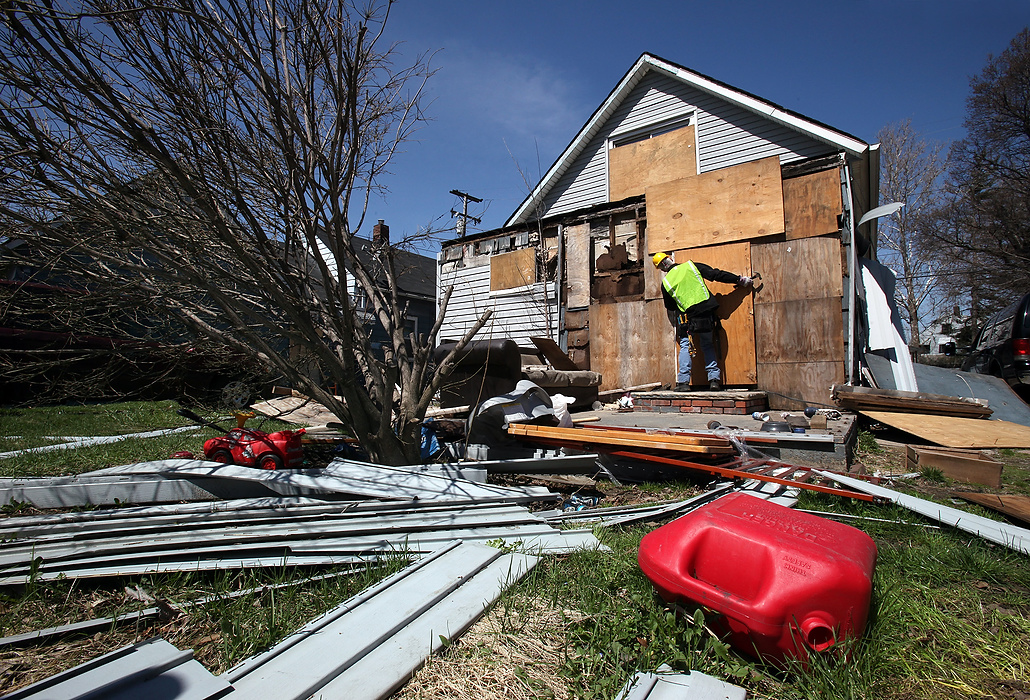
463, 215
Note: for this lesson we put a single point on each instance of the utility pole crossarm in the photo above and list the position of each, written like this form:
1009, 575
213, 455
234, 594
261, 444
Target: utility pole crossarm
463, 215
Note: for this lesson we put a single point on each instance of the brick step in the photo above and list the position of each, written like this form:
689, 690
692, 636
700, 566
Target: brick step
729, 401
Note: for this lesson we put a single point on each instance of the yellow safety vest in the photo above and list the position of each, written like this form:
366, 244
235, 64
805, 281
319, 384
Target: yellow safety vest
686, 285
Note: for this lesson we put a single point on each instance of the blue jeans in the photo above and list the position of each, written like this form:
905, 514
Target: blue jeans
705, 343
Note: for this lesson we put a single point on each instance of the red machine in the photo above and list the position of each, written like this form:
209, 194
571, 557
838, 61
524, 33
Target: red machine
786, 583
253, 448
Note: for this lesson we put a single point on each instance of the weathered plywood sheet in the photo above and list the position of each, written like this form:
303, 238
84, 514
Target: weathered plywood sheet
811, 204
736, 339
804, 381
577, 266
801, 269
799, 327
514, 269
634, 167
632, 343
806, 330
977, 433
732, 204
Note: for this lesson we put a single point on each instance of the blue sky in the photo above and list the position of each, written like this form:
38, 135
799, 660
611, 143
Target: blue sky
517, 80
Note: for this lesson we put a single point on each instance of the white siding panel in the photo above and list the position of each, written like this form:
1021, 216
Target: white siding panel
518, 315
727, 135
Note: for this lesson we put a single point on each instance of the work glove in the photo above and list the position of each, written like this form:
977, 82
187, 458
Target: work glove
745, 281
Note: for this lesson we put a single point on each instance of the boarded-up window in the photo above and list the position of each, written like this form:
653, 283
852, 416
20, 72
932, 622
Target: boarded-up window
812, 204
515, 269
634, 167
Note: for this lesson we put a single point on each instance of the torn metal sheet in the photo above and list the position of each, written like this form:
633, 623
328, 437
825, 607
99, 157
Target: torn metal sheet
105, 623
73, 443
77, 491
555, 464
679, 686
352, 478
371, 644
150, 669
1010, 536
313, 534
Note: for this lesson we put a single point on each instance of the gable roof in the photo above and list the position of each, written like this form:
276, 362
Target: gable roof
648, 62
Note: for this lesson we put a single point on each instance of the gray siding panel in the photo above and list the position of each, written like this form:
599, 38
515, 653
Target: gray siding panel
727, 135
517, 315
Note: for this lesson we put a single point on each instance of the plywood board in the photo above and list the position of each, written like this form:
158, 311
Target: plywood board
976, 433
811, 204
1013, 506
632, 343
577, 266
802, 269
735, 340
634, 167
809, 330
514, 269
792, 385
732, 204
970, 467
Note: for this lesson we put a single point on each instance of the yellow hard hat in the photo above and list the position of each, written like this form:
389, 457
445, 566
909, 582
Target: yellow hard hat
657, 259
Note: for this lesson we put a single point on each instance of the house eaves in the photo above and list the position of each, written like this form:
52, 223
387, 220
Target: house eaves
647, 62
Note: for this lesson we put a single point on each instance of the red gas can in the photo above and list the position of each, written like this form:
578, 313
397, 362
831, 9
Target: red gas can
784, 582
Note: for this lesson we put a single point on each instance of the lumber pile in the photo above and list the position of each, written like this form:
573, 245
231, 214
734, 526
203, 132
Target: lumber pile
859, 398
602, 436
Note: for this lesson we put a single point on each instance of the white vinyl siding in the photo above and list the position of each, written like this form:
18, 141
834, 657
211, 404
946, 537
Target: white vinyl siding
518, 314
727, 135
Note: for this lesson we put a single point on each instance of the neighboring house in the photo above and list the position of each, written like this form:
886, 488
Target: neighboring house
679, 162
941, 337
416, 284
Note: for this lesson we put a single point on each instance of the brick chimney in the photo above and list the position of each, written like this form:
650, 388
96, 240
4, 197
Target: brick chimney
381, 234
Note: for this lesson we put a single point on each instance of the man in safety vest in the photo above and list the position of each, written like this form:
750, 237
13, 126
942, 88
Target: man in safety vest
691, 309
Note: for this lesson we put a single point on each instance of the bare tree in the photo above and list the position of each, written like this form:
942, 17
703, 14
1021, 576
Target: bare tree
215, 160
987, 227
911, 171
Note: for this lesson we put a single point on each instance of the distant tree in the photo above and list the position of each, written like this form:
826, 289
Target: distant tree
987, 225
215, 161
910, 172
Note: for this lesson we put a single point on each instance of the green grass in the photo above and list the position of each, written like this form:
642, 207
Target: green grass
950, 616
27, 428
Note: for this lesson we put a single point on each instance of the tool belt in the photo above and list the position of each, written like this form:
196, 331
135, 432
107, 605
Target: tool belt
703, 323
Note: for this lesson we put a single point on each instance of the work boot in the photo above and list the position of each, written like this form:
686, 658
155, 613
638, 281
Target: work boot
682, 386
715, 385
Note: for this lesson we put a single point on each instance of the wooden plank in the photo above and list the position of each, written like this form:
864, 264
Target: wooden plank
666, 157
856, 398
810, 330
811, 204
632, 343
577, 265
554, 354
805, 269
735, 340
966, 467
950, 431
732, 204
514, 269
609, 437
793, 385
1017, 507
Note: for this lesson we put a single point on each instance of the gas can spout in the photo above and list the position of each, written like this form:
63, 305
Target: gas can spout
818, 632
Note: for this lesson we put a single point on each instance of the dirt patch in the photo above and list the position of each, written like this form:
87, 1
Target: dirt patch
514, 652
